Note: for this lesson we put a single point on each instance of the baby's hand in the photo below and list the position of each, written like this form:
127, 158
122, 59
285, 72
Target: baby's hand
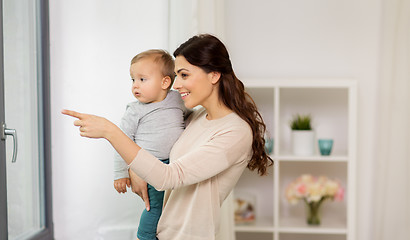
121, 184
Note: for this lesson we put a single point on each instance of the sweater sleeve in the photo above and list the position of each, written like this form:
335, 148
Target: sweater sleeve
223, 150
128, 125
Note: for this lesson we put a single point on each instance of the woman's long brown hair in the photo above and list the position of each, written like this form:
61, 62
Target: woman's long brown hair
210, 54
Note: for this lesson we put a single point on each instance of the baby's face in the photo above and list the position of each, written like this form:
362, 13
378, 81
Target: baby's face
147, 81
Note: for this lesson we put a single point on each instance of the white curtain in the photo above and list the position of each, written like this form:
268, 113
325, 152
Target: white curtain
392, 178
190, 17
186, 19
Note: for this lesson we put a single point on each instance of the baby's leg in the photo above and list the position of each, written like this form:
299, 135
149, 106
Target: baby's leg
147, 229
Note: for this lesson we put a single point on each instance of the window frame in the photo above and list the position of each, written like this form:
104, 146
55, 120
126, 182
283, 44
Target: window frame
47, 233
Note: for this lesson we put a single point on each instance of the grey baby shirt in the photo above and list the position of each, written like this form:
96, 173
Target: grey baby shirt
155, 127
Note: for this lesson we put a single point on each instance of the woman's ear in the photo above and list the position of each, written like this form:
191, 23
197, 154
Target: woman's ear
215, 76
166, 82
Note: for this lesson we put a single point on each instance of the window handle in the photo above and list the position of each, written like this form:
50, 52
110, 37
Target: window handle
12, 132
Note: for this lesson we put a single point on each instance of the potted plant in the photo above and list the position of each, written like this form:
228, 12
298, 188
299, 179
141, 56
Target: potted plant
303, 136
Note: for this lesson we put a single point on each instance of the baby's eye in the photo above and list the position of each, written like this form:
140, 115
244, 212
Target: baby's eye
132, 79
143, 79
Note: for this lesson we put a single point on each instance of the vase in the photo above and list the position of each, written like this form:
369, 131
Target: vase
303, 142
313, 213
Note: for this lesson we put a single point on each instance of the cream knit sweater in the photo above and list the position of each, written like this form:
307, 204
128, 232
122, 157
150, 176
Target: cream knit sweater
205, 164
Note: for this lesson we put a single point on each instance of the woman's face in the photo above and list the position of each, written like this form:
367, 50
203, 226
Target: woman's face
195, 85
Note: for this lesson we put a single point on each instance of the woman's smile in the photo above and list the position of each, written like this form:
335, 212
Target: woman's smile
184, 95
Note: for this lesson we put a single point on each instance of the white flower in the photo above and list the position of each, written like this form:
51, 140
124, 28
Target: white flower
313, 189
331, 188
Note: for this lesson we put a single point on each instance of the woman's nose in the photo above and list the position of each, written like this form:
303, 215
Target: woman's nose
177, 83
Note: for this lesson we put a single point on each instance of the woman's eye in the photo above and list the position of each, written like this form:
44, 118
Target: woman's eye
183, 75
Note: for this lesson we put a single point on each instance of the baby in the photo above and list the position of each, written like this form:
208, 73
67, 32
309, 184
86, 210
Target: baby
154, 122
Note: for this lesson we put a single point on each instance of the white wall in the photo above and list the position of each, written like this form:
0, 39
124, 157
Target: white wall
316, 38
92, 43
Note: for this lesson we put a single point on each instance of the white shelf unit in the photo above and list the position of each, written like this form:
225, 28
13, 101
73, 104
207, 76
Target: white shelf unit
332, 105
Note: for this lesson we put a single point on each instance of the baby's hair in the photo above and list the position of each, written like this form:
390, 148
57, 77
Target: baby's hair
162, 57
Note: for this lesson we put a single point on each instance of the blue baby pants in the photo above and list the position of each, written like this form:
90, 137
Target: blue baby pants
147, 229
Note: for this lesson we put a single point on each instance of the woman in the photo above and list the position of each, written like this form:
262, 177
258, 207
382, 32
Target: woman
220, 141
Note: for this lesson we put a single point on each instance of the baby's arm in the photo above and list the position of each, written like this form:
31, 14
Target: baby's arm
121, 184
120, 167
128, 125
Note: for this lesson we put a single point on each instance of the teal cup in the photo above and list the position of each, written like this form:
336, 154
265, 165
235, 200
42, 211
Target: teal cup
325, 146
269, 145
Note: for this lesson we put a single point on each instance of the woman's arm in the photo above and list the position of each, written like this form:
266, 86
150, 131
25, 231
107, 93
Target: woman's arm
225, 149
98, 127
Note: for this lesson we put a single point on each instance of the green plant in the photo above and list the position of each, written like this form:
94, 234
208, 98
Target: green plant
301, 122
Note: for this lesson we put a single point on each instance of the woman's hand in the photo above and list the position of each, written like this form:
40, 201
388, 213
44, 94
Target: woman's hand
139, 187
90, 126
98, 127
